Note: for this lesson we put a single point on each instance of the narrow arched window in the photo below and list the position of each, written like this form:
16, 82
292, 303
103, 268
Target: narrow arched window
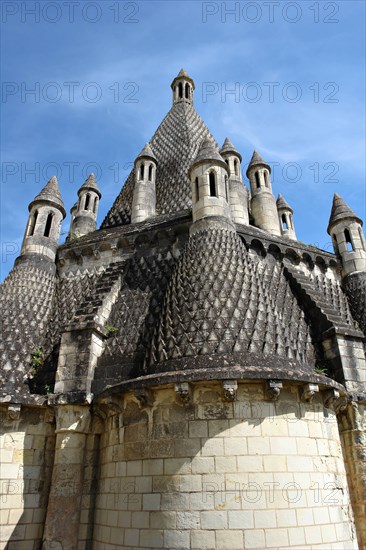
257, 180
335, 243
284, 221
47, 229
197, 190
226, 190
32, 223
362, 239
87, 201
236, 167
187, 90
212, 181
150, 172
180, 88
266, 178
347, 236
95, 205
142, 171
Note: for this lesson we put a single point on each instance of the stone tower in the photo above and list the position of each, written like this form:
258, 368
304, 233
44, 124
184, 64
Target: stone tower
46, 213
237, 191
193, 381
285, 216
263, 203
144, 194
84, 217
210, 187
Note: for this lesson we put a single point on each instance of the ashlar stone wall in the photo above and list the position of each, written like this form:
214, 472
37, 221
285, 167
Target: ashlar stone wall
26, 452
212, 474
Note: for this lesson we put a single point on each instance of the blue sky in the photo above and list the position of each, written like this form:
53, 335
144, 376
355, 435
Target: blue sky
101, 72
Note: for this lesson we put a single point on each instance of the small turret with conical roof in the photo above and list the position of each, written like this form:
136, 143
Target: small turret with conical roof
144, 193
345, 228
210, 186
285, 216
263, 203
46, 213
84, 219
182, 87
238, 193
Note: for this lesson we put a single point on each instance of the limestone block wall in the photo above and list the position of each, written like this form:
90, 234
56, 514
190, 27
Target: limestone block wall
264, 211
239, 202
212, 474
26, 452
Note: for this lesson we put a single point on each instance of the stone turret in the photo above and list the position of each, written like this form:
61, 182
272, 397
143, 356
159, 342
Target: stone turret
345, 228
144, 194
46, 213
84, 219
285, 216
210, 187
182, 87
238, 193
263, 203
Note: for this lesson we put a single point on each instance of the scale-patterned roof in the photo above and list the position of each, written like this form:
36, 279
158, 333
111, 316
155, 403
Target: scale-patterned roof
175, 144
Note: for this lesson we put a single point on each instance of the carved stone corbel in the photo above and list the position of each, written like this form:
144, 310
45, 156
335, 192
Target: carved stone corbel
308, 392
274, 388
230, 388
144, 397
14, 411
183, 392
330, 398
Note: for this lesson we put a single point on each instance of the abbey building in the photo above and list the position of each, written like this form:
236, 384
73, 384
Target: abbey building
189, 375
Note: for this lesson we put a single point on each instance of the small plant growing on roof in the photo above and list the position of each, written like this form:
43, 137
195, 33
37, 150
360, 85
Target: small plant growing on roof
37, 358
321, 370
110, 329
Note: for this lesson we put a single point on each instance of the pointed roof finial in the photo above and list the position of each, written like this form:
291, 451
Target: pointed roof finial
228, 147
283, 204
50, 194
257, 160
183, 75
91, 184
147, 152
341, 211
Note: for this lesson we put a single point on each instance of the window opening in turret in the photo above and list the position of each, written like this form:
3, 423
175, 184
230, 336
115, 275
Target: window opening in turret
236, 167
142, 169
362, 239
32, 224
47, 229
335, 243
187, 90
266, 183
350, 247
87, 201
284, 221
197, 190
95, 205
226, 191
180, 90
212, 180
150, 172
257, 181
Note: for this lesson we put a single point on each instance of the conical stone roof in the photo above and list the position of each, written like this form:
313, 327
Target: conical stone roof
282, 204
175, 144
91, 184
208, 152
51, 194
147, 152
341, 211
221, 300
257, 160
228, 147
